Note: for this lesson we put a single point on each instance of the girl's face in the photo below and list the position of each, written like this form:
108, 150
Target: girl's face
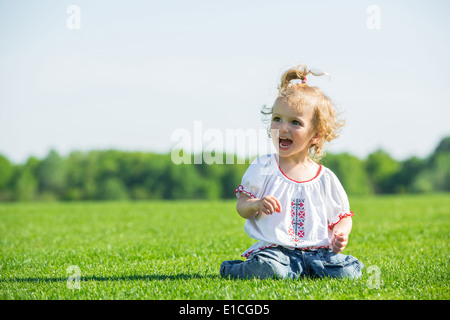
292, 130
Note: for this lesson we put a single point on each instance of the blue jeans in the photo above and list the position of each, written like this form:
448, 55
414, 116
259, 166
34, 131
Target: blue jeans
279, 262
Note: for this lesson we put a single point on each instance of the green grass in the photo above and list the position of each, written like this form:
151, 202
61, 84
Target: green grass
173, 250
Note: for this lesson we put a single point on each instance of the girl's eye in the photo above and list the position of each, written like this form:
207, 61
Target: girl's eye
276, 119
295, 122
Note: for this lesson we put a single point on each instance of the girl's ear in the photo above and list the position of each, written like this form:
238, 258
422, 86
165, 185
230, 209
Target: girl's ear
316, 138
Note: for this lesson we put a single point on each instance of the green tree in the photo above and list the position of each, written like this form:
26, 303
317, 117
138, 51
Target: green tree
6, 175
51, 175
382, 169
112, 189
91, 179
351, 173
436, 176
155, 177
443, 146
409, 171
6, 172
181, 182
25, 184
210, 175
208, 188
75, 176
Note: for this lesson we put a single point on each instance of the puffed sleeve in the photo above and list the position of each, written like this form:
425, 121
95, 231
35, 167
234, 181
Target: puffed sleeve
338, 206
254, 177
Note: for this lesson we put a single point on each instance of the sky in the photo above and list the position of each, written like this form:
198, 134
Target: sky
130, 75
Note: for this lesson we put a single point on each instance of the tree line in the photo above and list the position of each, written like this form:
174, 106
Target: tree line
121, 175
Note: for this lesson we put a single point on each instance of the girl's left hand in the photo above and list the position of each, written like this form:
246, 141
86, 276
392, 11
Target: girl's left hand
339, 241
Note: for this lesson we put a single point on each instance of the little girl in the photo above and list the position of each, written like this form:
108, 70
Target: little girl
296, 208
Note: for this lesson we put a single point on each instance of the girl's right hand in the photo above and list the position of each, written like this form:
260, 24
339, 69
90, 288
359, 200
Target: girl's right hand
268, 205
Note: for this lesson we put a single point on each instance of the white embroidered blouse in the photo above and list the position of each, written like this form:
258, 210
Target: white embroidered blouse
310, 208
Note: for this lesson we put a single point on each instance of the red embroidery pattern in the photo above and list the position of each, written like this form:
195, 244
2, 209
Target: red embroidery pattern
296, 230
342, 215
247, 254
241, 189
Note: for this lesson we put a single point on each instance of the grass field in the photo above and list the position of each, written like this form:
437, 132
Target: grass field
173, 250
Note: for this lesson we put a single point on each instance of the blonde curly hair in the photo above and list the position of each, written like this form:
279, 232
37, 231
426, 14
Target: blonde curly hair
298, 95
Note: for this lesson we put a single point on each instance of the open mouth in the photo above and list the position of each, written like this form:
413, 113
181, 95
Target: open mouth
284, 143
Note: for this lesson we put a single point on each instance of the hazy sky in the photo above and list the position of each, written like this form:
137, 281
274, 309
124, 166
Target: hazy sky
137, 71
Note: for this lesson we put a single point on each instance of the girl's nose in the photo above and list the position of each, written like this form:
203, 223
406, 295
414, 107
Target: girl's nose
283, 126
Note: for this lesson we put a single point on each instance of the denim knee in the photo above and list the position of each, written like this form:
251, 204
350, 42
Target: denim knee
335, 265
267, 263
